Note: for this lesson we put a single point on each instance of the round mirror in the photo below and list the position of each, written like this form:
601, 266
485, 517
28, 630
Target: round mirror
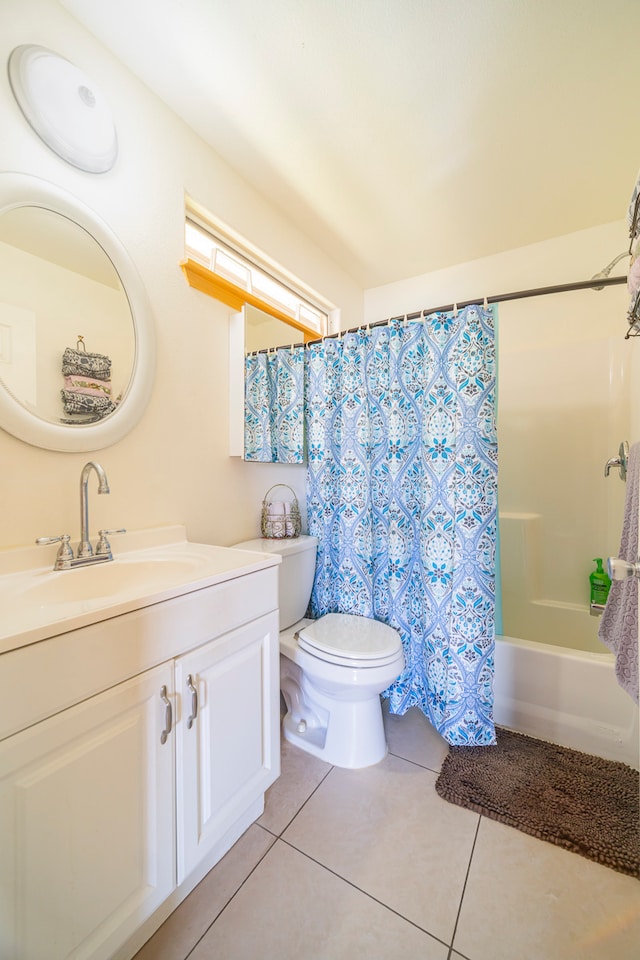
77, 350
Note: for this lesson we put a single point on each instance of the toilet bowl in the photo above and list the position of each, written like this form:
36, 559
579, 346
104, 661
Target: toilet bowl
333, 669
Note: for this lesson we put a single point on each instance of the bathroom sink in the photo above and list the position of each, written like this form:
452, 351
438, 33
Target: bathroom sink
120, 577
38, 602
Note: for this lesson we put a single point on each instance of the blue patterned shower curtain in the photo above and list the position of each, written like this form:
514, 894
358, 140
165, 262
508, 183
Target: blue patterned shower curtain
402, 494
274, 406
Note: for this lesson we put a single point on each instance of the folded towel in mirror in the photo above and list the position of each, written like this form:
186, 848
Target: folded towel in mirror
78, 362
73, 402
88, 386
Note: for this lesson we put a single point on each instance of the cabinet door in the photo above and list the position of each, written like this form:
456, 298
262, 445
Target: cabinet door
86, 824
228, 748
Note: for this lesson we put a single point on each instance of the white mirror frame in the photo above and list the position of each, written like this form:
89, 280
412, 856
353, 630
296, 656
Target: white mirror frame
23, 190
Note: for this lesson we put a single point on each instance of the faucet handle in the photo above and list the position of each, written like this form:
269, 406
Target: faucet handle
64, 551
103, 546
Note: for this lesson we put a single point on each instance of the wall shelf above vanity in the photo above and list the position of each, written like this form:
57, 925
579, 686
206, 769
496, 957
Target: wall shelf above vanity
206, 281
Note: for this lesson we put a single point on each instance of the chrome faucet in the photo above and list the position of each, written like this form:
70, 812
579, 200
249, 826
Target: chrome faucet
84, 547
65, 559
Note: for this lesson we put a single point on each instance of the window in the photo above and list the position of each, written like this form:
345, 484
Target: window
236, 276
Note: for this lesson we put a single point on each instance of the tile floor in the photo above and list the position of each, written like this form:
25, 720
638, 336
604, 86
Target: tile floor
373, 864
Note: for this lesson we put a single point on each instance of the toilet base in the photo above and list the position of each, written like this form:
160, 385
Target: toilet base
333, 711
353, 736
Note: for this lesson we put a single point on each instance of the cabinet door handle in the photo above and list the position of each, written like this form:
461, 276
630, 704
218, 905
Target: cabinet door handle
168, 715
194, 702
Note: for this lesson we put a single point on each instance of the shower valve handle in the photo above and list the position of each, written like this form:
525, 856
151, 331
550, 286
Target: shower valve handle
622, 569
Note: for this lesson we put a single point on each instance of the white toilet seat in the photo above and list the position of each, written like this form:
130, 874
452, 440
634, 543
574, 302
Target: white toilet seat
350, 641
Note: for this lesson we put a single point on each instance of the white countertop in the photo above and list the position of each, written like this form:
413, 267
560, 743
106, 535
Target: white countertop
149, 567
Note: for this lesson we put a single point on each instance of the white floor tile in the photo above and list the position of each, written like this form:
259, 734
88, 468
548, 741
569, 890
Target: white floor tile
293, 909
301, 774
529, 899
412, 737
190, 921
385, 830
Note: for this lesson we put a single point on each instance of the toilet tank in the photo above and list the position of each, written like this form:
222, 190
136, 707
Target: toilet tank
295, 573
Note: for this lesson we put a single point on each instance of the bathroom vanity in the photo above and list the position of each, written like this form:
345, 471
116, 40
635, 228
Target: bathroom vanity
139, 731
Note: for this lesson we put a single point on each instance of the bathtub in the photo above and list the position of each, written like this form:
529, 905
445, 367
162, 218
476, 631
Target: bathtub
570, 697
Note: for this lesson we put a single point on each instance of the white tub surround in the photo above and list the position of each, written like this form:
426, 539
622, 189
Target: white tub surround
127, 765
566, 696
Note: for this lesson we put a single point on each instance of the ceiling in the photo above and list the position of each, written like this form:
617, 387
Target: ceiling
402, 136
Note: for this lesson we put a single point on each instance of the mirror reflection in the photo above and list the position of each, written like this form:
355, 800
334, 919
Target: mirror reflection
263, 332
67, 340
273, 390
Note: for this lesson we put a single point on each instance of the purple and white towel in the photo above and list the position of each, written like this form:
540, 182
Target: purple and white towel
619, 624
634, 227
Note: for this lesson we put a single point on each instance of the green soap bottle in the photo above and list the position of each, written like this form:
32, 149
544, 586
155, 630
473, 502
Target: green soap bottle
600, 583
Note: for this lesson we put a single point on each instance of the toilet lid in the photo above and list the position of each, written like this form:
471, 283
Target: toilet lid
348, 637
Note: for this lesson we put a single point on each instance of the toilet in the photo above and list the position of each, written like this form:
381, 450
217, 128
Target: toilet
332, 670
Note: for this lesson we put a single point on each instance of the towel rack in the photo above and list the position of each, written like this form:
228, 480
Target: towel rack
620, 461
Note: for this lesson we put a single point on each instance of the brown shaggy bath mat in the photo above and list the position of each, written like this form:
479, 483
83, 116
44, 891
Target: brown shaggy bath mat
579, 802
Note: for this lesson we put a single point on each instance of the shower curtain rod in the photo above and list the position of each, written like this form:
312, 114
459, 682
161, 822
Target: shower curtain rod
593, 284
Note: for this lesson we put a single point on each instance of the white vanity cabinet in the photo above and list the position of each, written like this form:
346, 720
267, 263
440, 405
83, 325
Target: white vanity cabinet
86, 824
227, 737
154, 761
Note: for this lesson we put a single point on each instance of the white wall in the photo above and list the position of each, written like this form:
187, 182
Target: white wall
565, 403
173, 467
